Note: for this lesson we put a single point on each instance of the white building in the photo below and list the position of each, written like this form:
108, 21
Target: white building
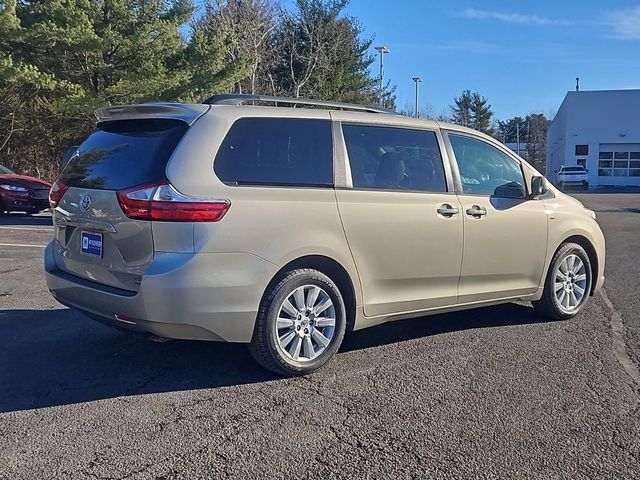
599, 129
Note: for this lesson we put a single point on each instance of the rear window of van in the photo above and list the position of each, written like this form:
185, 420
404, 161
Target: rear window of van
124, 153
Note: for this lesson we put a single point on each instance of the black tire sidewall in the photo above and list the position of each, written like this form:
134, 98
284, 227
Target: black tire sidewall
283, 290
569, 249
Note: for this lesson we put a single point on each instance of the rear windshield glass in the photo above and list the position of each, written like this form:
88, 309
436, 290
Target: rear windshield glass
124, 153
277, 151
573, 169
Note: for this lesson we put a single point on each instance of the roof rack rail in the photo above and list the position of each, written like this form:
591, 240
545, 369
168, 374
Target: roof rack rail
243, 99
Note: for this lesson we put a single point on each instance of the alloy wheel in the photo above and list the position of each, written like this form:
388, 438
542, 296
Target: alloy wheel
570, 283
306, 323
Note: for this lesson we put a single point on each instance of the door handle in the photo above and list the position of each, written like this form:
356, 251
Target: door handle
447, 210
476, 211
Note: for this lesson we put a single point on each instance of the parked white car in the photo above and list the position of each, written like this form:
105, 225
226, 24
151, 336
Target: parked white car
572, 175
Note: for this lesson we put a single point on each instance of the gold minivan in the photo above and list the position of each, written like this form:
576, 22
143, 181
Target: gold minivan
244, 220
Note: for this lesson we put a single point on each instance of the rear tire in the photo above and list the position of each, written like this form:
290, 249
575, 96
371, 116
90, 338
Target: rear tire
568, 283
300, 323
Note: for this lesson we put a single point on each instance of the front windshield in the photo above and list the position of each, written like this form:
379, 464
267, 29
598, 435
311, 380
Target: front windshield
4, 170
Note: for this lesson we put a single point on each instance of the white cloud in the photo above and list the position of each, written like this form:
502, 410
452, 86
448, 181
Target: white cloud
512, 17
625, 23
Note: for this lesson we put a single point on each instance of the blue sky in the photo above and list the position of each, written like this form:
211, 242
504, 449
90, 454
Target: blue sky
522, 55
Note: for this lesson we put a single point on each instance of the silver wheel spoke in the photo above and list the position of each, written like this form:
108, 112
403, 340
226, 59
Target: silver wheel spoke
323, 306
563, 267
285, 322
298, 296
560, 275
577, 265
562, 295
312, 296
320, 338
295, 348
579, 289
557, 286
573, 301
582, 277
309, 352
566, 301
289, 308
286, 338
325, 322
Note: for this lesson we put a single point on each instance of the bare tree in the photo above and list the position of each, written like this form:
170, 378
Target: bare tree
249, 24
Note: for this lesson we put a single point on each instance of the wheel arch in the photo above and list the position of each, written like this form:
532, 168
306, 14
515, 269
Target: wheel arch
331, 268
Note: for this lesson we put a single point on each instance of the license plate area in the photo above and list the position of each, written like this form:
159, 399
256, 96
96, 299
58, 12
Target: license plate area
91, 244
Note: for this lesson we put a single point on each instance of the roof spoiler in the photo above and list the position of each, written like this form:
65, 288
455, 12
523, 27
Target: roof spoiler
187, 113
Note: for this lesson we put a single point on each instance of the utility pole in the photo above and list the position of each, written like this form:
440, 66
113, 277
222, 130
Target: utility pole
518, 137
526, 146
382, 50
418, 81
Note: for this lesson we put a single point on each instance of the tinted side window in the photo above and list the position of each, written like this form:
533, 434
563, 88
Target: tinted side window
485, 170
124, 153
277, 151
390, 158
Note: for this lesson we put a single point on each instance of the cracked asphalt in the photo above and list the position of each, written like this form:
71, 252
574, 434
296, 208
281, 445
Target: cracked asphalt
491, 393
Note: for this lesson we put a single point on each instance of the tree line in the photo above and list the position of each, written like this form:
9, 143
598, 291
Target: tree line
61, 59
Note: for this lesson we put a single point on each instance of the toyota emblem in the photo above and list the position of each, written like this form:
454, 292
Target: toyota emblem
85, 203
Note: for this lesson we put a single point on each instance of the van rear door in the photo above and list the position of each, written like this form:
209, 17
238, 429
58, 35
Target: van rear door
95, 240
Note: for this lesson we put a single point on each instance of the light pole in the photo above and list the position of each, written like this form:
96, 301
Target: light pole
382, 50
418, 81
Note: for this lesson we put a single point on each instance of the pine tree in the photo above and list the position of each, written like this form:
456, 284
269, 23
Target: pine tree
472, 110
481, 113
461, 113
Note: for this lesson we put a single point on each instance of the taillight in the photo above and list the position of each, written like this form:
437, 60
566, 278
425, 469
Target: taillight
163, 202
56, 193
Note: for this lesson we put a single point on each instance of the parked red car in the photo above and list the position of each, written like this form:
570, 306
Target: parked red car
21, 193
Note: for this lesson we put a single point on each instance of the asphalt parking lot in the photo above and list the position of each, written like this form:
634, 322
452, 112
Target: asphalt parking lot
492, 393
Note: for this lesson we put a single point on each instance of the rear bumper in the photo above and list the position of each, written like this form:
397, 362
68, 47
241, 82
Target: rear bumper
204, 296
573, 181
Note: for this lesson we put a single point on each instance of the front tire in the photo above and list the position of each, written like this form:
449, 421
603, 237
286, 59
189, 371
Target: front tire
568, 283
300, 324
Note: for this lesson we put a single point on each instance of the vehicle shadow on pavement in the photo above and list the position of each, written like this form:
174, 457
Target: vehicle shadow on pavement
393, 332
60, 357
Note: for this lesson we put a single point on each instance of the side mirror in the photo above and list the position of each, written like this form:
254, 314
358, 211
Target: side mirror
68, 155
555, 171
538, 187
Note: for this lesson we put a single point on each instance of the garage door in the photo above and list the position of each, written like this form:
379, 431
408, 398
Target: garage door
619, 164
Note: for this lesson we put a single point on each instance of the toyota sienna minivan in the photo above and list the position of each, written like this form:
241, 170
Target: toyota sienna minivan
245, 220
